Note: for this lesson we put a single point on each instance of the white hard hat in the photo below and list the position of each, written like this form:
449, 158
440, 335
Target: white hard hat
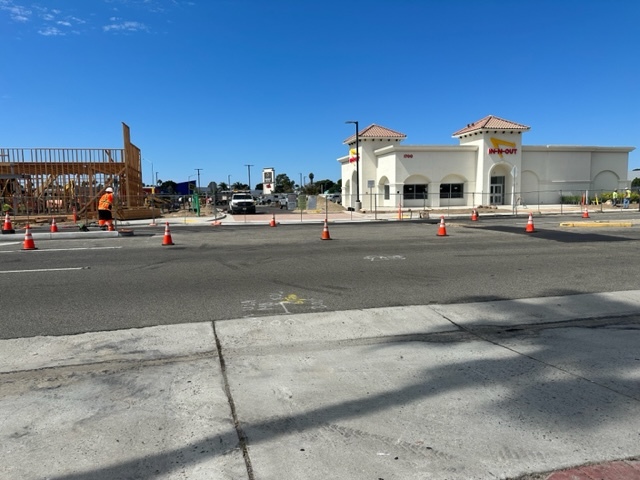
109, 190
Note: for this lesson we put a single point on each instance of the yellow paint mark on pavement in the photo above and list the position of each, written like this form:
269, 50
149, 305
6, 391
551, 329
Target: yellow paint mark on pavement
294, 299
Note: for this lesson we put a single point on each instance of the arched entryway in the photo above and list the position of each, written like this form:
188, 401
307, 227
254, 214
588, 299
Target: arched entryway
347, 194
383, 196
500, 185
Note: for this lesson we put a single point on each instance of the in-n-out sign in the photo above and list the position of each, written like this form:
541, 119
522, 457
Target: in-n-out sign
497, 143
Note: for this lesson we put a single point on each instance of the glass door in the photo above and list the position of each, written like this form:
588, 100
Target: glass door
497, 191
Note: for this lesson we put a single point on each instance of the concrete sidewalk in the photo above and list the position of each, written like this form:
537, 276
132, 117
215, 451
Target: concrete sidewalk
470, 391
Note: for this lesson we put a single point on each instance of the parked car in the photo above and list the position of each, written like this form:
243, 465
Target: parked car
242, 203
334, 197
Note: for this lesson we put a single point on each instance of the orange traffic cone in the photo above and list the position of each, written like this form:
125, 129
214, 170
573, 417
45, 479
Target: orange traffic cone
585, 214
474, 215
530, 228
272, 223
167, 236
54, 227
325, 231
442, 230
28, 243
7, 227
75, 215
217, 223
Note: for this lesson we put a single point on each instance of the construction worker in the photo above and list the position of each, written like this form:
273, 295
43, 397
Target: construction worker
627, 198
614, 198
105, 218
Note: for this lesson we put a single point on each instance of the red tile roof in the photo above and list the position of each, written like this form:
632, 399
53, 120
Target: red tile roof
375, 131
491, 122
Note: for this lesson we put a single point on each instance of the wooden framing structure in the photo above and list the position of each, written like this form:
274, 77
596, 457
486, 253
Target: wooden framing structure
41, 181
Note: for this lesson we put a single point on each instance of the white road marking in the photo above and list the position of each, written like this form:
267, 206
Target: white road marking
39, 270
64, 249
377, 258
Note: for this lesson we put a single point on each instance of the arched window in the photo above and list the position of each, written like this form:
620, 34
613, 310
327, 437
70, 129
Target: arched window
451, 190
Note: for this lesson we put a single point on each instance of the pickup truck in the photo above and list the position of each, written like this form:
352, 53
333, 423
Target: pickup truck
242, 203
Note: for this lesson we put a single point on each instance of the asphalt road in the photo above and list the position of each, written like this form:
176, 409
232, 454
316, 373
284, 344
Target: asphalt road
239, 271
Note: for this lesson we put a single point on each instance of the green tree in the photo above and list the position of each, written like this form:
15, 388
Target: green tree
311, 189
311, 177
169, 187
325, 186
283, 184
635, 182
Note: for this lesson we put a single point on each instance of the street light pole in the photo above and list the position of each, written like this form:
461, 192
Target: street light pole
358, 204
249, 170
152, 174
198, 195
198, 170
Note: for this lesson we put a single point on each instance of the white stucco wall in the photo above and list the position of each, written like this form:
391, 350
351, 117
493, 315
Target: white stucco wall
572, 170
544, 173
402, 164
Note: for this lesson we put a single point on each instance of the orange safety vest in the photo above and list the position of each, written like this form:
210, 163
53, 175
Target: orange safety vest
106, 201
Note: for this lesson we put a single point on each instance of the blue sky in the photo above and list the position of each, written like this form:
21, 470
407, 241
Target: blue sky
221, 84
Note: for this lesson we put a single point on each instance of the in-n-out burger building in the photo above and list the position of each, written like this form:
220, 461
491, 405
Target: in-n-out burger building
490, 166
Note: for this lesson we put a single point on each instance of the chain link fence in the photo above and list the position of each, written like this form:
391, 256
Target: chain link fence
561, 200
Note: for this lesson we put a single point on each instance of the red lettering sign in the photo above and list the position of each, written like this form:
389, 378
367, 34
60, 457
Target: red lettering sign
501, 151
408, 155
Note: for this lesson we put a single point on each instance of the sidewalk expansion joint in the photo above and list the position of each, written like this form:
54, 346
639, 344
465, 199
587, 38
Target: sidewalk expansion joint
242, 437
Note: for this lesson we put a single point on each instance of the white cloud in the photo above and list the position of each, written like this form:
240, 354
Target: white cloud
17, 13
55, 22
51, 32
125, 27
48, 17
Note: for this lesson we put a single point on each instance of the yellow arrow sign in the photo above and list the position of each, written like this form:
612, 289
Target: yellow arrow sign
497, 143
